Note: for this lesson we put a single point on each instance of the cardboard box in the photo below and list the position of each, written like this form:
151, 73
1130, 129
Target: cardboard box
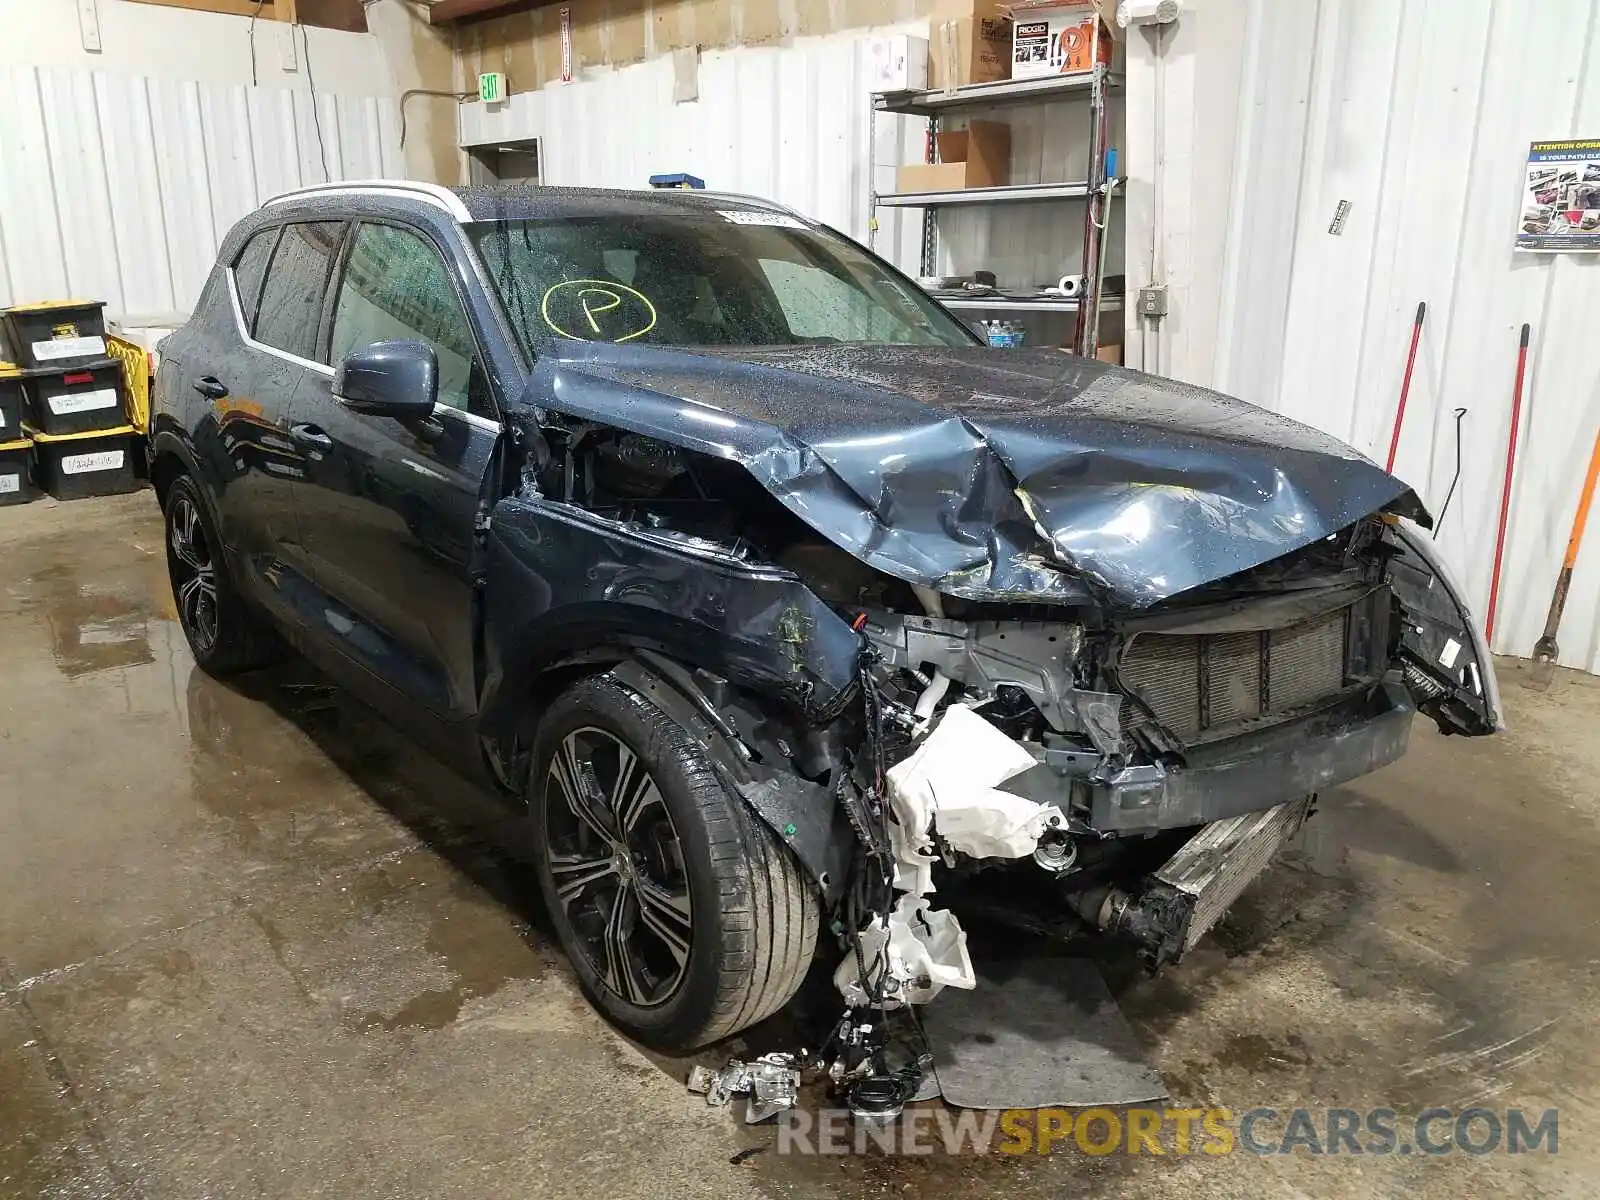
897, 63
977, 156
1057, 40
1110, 354
975, 49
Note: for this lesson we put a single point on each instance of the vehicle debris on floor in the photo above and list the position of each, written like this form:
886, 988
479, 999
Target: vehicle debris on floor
771, 1082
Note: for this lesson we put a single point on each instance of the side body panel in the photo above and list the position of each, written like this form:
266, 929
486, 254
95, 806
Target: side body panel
564, 585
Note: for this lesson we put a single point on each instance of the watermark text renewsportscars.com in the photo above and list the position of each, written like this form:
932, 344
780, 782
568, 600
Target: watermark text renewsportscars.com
1177, 1131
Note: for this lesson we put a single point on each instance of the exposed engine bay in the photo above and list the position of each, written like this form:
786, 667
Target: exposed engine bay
1048, 747
1062, 742
1107, 755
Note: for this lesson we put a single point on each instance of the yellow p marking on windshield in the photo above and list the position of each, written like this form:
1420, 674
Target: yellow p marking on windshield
589, 309
595, 298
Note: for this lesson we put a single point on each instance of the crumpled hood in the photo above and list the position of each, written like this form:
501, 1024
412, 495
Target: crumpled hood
991, 474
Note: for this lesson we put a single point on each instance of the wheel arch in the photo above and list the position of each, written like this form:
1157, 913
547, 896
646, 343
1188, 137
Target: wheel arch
804, 813
169, 458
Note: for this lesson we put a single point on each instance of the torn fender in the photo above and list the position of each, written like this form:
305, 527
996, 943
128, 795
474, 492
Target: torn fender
991, 474
563, 585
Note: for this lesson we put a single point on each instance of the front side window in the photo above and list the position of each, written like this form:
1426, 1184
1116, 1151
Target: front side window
396, 286
291, 297
735, 277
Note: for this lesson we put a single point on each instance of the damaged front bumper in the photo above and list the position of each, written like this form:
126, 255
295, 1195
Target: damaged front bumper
970, 798
1290, 760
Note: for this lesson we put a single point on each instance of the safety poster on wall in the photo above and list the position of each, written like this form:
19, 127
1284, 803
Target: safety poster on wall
1561, 198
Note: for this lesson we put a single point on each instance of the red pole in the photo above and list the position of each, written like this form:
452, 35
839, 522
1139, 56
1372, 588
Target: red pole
1405, 384
1505, 490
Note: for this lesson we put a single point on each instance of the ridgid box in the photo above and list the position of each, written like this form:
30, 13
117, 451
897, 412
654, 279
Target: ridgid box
74, 465
58, 333
1059, 39
78, 399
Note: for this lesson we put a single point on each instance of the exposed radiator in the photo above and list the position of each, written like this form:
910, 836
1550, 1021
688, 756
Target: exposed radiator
1219, 862
1203, 687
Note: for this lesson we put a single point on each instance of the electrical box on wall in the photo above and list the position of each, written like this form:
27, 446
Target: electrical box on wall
89, 25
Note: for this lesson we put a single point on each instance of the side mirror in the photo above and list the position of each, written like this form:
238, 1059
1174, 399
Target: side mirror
390, 379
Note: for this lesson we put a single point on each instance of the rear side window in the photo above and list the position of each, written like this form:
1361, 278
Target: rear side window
291, 298
249, 269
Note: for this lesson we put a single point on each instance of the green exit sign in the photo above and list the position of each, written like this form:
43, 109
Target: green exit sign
492, 87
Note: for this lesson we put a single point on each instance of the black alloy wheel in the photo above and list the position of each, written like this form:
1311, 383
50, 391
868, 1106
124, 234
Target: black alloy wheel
226, 634
685, 918
194, 574
617, 864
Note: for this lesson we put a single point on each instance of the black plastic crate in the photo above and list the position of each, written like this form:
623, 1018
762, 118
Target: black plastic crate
16, 472
87, 464
78, 399
13, 403
59, 333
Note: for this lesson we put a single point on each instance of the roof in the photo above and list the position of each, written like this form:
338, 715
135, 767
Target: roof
519, 202
516, 201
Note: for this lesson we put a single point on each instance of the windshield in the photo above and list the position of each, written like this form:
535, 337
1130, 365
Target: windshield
733, 277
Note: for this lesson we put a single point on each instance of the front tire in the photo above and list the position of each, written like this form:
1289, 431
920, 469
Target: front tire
225, 634
685, 919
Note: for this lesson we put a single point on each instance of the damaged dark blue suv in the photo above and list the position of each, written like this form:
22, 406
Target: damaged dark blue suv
775, 598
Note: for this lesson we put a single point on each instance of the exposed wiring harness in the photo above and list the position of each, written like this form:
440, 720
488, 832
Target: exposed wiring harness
856, 1053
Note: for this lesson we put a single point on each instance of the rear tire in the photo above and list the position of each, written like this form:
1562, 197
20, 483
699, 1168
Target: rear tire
722, 923
226, 635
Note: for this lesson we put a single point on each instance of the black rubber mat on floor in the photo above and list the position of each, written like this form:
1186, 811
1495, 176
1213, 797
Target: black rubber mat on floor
1039, 1031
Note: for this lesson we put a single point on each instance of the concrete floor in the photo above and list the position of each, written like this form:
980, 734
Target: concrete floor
252, 943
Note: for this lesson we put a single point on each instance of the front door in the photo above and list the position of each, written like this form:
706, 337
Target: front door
387, 516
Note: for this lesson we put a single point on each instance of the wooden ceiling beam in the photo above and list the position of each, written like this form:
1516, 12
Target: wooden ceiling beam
446, 11
236, 8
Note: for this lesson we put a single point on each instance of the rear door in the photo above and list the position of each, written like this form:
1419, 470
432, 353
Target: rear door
388, 511
277, 287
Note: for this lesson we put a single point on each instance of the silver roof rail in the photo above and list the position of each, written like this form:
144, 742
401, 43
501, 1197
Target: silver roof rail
746, 198
431, 193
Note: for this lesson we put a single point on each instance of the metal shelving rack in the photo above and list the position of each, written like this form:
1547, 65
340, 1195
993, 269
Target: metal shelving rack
1093, 191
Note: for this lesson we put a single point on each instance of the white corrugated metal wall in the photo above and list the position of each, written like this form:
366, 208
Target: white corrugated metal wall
786, 122
791, 123
120, 188
1419, 114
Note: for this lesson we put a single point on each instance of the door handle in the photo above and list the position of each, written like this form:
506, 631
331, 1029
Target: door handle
211, 387
311, 436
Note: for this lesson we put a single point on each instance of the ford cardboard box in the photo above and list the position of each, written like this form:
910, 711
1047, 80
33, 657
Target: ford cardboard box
969, 41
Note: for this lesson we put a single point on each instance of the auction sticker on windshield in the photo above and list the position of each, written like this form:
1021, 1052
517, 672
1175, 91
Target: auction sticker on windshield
746, 216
